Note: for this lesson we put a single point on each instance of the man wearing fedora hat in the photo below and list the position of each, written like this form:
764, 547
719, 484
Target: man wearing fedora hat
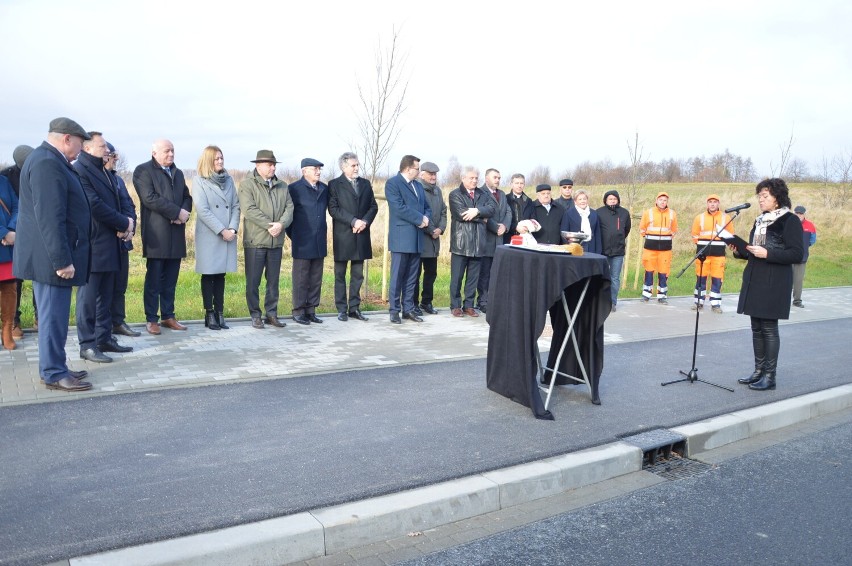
52, 246
268, 210
308, 236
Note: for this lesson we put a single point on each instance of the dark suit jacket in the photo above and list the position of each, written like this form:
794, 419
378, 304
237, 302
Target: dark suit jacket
308, 231
53, 221
127, 207
107, 218
571, 222
345, 207
161, 197
406, 213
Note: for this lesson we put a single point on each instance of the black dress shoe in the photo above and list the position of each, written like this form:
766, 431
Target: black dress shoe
357, 314
428, 308
394, 318
77, 374
302, 319
124, 330
95, 355
113, 346
69, 384
342, 316
273, 320
417, 311
313, 318
256, 323
412, 316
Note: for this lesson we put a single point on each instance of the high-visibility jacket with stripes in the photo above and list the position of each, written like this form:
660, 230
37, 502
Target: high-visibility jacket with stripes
704, 230
658, 227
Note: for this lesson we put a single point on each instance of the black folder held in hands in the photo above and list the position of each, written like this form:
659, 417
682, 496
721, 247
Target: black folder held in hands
738, 243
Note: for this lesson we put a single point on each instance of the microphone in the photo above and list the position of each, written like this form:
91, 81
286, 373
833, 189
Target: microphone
738, 207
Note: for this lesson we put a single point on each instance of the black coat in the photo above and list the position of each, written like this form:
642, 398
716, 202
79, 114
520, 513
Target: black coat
551, 222
517, 206
768, 283
345, 207
572, 222
161, 198
467, 237
107, 218
13, 174
53, 221
308, 231
128, 208
615, 227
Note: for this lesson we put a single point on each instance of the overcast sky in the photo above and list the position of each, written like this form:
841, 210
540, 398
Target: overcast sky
511, 85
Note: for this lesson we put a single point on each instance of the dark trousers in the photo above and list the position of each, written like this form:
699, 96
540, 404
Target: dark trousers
429, 272
19, 290
118, 309
307, 285
259, 261
356, 280
467, 268
484, 281
161, 278
404, 270
213, 292
55, 304
94, 299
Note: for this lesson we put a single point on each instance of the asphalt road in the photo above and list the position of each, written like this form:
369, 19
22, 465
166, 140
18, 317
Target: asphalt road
107, 472
788, 504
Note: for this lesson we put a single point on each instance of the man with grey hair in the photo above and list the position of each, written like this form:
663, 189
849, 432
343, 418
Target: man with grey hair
495, 228
165, 205
470, 209
52, 245
431, 237
352, 207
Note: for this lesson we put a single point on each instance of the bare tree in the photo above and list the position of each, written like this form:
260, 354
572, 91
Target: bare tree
637, 170
382, 106
785, 158
452, 172
540, 176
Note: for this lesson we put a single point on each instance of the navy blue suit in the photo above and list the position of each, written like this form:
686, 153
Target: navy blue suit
94, 300
128, 209
406, 211
53, 232
308, 235
571, 222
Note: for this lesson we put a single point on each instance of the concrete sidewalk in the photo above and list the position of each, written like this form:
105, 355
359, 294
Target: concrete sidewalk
202, 357
322, 438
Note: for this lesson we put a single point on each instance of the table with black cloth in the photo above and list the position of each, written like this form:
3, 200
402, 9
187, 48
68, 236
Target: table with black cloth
525, 285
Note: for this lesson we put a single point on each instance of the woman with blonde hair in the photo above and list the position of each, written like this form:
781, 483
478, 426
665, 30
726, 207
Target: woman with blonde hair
216, 225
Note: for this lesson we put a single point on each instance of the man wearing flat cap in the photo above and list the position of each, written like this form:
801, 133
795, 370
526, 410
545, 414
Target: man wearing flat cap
704, 232
547, 213
566, 194
13, 174
658, 226
165, 206
268, 210
308, 237
431, 236
352, 207
52, 246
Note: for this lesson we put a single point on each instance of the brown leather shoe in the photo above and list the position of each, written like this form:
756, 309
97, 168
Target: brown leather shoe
457, 312
17, 331
172, 323
69, 384
153, 328
469, 311
273, 320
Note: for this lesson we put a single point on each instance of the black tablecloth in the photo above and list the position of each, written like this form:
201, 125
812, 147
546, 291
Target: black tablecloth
525, 285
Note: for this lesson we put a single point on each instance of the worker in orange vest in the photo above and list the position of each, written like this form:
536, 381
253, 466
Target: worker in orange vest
704, 229
658, 226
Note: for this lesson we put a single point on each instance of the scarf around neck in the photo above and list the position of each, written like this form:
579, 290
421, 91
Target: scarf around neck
585, 225
220, 178
763, 222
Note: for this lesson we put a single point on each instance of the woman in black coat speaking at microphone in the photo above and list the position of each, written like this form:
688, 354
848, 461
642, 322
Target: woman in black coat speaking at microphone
775, 244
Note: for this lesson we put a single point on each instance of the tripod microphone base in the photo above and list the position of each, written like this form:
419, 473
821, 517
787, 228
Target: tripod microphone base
692, 377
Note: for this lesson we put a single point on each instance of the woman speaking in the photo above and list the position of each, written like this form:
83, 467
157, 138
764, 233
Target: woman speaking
775, 244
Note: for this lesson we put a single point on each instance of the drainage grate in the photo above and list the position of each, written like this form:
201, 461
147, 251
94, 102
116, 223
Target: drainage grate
676, 467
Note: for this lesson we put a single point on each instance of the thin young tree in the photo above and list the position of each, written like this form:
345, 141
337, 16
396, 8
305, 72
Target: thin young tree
382, 105
637, 173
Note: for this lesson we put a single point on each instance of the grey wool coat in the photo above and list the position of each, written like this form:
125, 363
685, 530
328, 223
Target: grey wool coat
217, 208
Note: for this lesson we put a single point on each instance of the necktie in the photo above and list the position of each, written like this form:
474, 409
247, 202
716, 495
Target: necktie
354, 185
496, 195
413, 188
269, 183
471, 194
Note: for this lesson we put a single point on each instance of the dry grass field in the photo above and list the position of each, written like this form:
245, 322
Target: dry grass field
827, 207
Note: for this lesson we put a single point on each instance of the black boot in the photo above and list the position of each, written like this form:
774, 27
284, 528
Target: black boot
772, 344
210, 321
759, 358
220, 320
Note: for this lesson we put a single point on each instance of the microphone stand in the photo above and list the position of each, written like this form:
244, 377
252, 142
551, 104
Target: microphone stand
692, 376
